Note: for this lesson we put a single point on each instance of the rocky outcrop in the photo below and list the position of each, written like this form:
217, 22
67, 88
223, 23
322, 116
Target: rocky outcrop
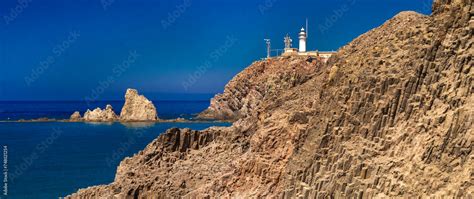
99, 115
75, 117
167, 155
263, 79
137, 108
391, 115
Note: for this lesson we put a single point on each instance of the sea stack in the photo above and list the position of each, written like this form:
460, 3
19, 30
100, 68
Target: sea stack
99, 115
137, 108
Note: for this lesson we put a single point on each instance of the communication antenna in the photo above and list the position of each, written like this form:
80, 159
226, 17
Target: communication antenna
267, 41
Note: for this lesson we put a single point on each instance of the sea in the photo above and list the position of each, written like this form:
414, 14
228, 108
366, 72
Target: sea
55, 159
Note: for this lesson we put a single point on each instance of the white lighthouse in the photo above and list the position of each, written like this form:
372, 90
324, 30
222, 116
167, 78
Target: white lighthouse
301, 50
302, 37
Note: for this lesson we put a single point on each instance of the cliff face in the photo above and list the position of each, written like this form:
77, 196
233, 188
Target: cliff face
76, 117
390, 115
97, 115
244, 93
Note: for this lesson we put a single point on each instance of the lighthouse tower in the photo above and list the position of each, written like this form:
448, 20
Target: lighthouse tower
302, 37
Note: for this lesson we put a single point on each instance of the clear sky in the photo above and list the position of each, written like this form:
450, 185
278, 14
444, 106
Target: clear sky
168, 49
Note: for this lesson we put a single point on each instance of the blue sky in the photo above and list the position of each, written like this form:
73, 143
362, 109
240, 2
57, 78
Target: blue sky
95, 49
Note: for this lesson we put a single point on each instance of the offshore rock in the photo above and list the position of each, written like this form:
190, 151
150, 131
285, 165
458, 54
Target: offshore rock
99, 115
137, 108
75, 117
390, 116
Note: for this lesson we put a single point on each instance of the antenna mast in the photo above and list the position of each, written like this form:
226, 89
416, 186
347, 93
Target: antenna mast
307, 28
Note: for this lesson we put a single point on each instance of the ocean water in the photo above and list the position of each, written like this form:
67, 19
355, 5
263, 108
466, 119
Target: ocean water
15, 110
54, 159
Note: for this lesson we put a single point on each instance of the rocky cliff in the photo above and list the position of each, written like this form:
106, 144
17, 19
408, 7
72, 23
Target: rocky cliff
263, 79
137, 108
390, 115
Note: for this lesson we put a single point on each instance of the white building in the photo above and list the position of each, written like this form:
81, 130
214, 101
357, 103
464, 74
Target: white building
301, 50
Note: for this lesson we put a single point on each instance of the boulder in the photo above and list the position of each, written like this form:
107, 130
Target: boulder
137, 108
99, 115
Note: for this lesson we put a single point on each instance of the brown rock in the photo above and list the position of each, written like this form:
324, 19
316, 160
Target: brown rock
99, 115
137, 108
262, 79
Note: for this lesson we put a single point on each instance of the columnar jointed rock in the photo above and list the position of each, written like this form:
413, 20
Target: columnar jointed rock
99, 115
390, 116
137, 108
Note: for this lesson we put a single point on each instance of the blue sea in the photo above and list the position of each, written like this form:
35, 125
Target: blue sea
54, 159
